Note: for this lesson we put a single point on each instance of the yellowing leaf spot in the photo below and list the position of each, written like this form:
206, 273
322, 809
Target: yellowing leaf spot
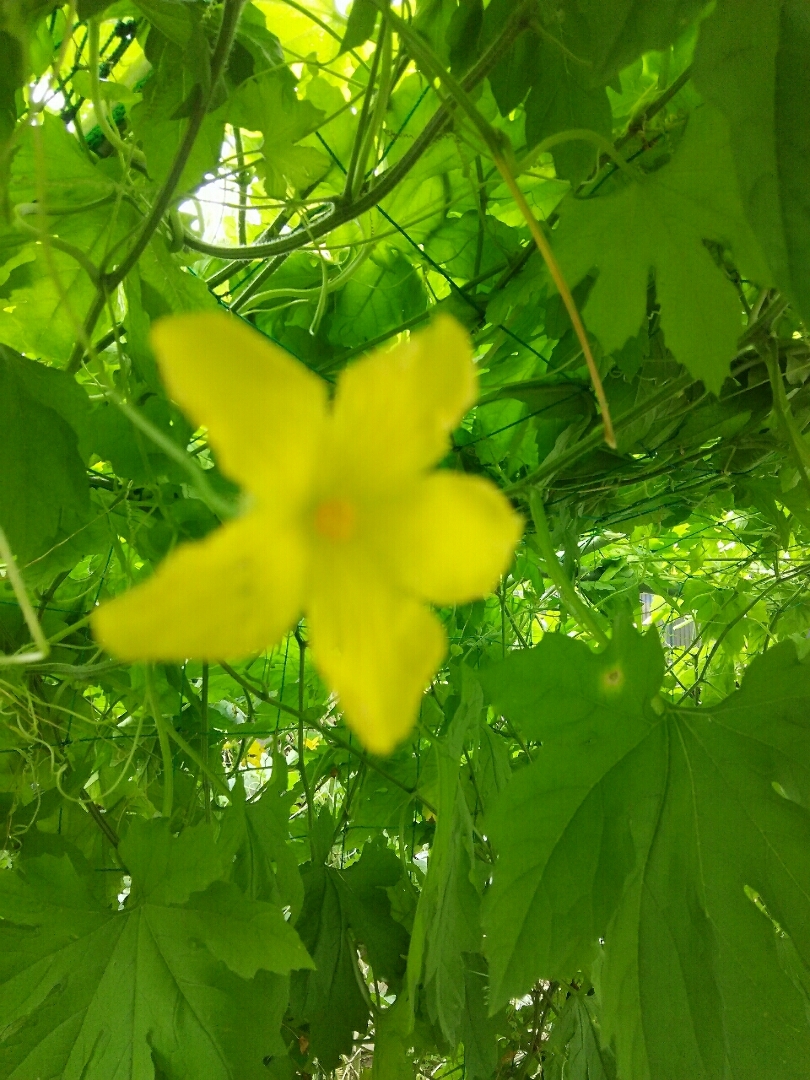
612, 680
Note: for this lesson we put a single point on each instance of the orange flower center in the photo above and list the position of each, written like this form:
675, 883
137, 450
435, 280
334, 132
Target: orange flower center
335, 519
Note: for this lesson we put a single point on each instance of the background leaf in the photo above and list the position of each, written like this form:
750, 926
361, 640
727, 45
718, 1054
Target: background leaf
749, 64
701, 815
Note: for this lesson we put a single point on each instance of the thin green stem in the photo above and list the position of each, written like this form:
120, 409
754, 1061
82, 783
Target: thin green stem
126, 153
592, 440
163, 741
599, 141
386, 183
216, 782
232, 9
640, 119
302, 767
100, 819
328, 733
242, 181
321, 290
501, 150
31, 621
781, 406
204, 739
323, 293
550, 260
23, 210
378, 115
199, 480
582, 613
354, 168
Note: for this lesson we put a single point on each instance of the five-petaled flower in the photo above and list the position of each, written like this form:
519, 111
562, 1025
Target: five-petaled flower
345, 520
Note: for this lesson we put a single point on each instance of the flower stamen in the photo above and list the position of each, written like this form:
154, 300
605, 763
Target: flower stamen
335, 519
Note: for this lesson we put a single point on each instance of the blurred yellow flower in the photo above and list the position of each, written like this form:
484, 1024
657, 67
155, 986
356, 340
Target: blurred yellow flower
346, 522
254, 754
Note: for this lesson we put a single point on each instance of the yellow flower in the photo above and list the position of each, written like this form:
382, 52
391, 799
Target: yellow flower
346, 521
254, 754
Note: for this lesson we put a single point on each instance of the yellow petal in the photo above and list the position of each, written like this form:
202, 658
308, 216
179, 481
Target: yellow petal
449, 537
254, 753
394, 410
232, 594
376, 648
263, 409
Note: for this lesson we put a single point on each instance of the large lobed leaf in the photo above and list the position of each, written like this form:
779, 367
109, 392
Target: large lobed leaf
659, 223
185, 981
44, 493
447, 922
666, 851
573, 50
344, 908
751, 62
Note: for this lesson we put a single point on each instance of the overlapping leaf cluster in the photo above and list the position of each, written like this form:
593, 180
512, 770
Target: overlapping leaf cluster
589, 860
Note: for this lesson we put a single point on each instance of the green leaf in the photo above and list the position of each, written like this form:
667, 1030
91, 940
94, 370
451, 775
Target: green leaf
168, 287
12, 77
264, 48
751, 62
58, 391
581, 47
89, 992
175, 21
384, 292
559, 692
562, 99
137, 324
328, 999
466, 247
167, 869
680, 838
365, 900
88, 8
391, 1042
266, 867
130, 451
380, 801
432, 20
18, 23
447, 922
343, 908
610, 34
247, 935
360, 25
108, 90
44, 298
268, 104
659, 224
463, 34
575, 1046
158, 122
51, 159
479, 1031
44, 493
512, 76
158, 286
